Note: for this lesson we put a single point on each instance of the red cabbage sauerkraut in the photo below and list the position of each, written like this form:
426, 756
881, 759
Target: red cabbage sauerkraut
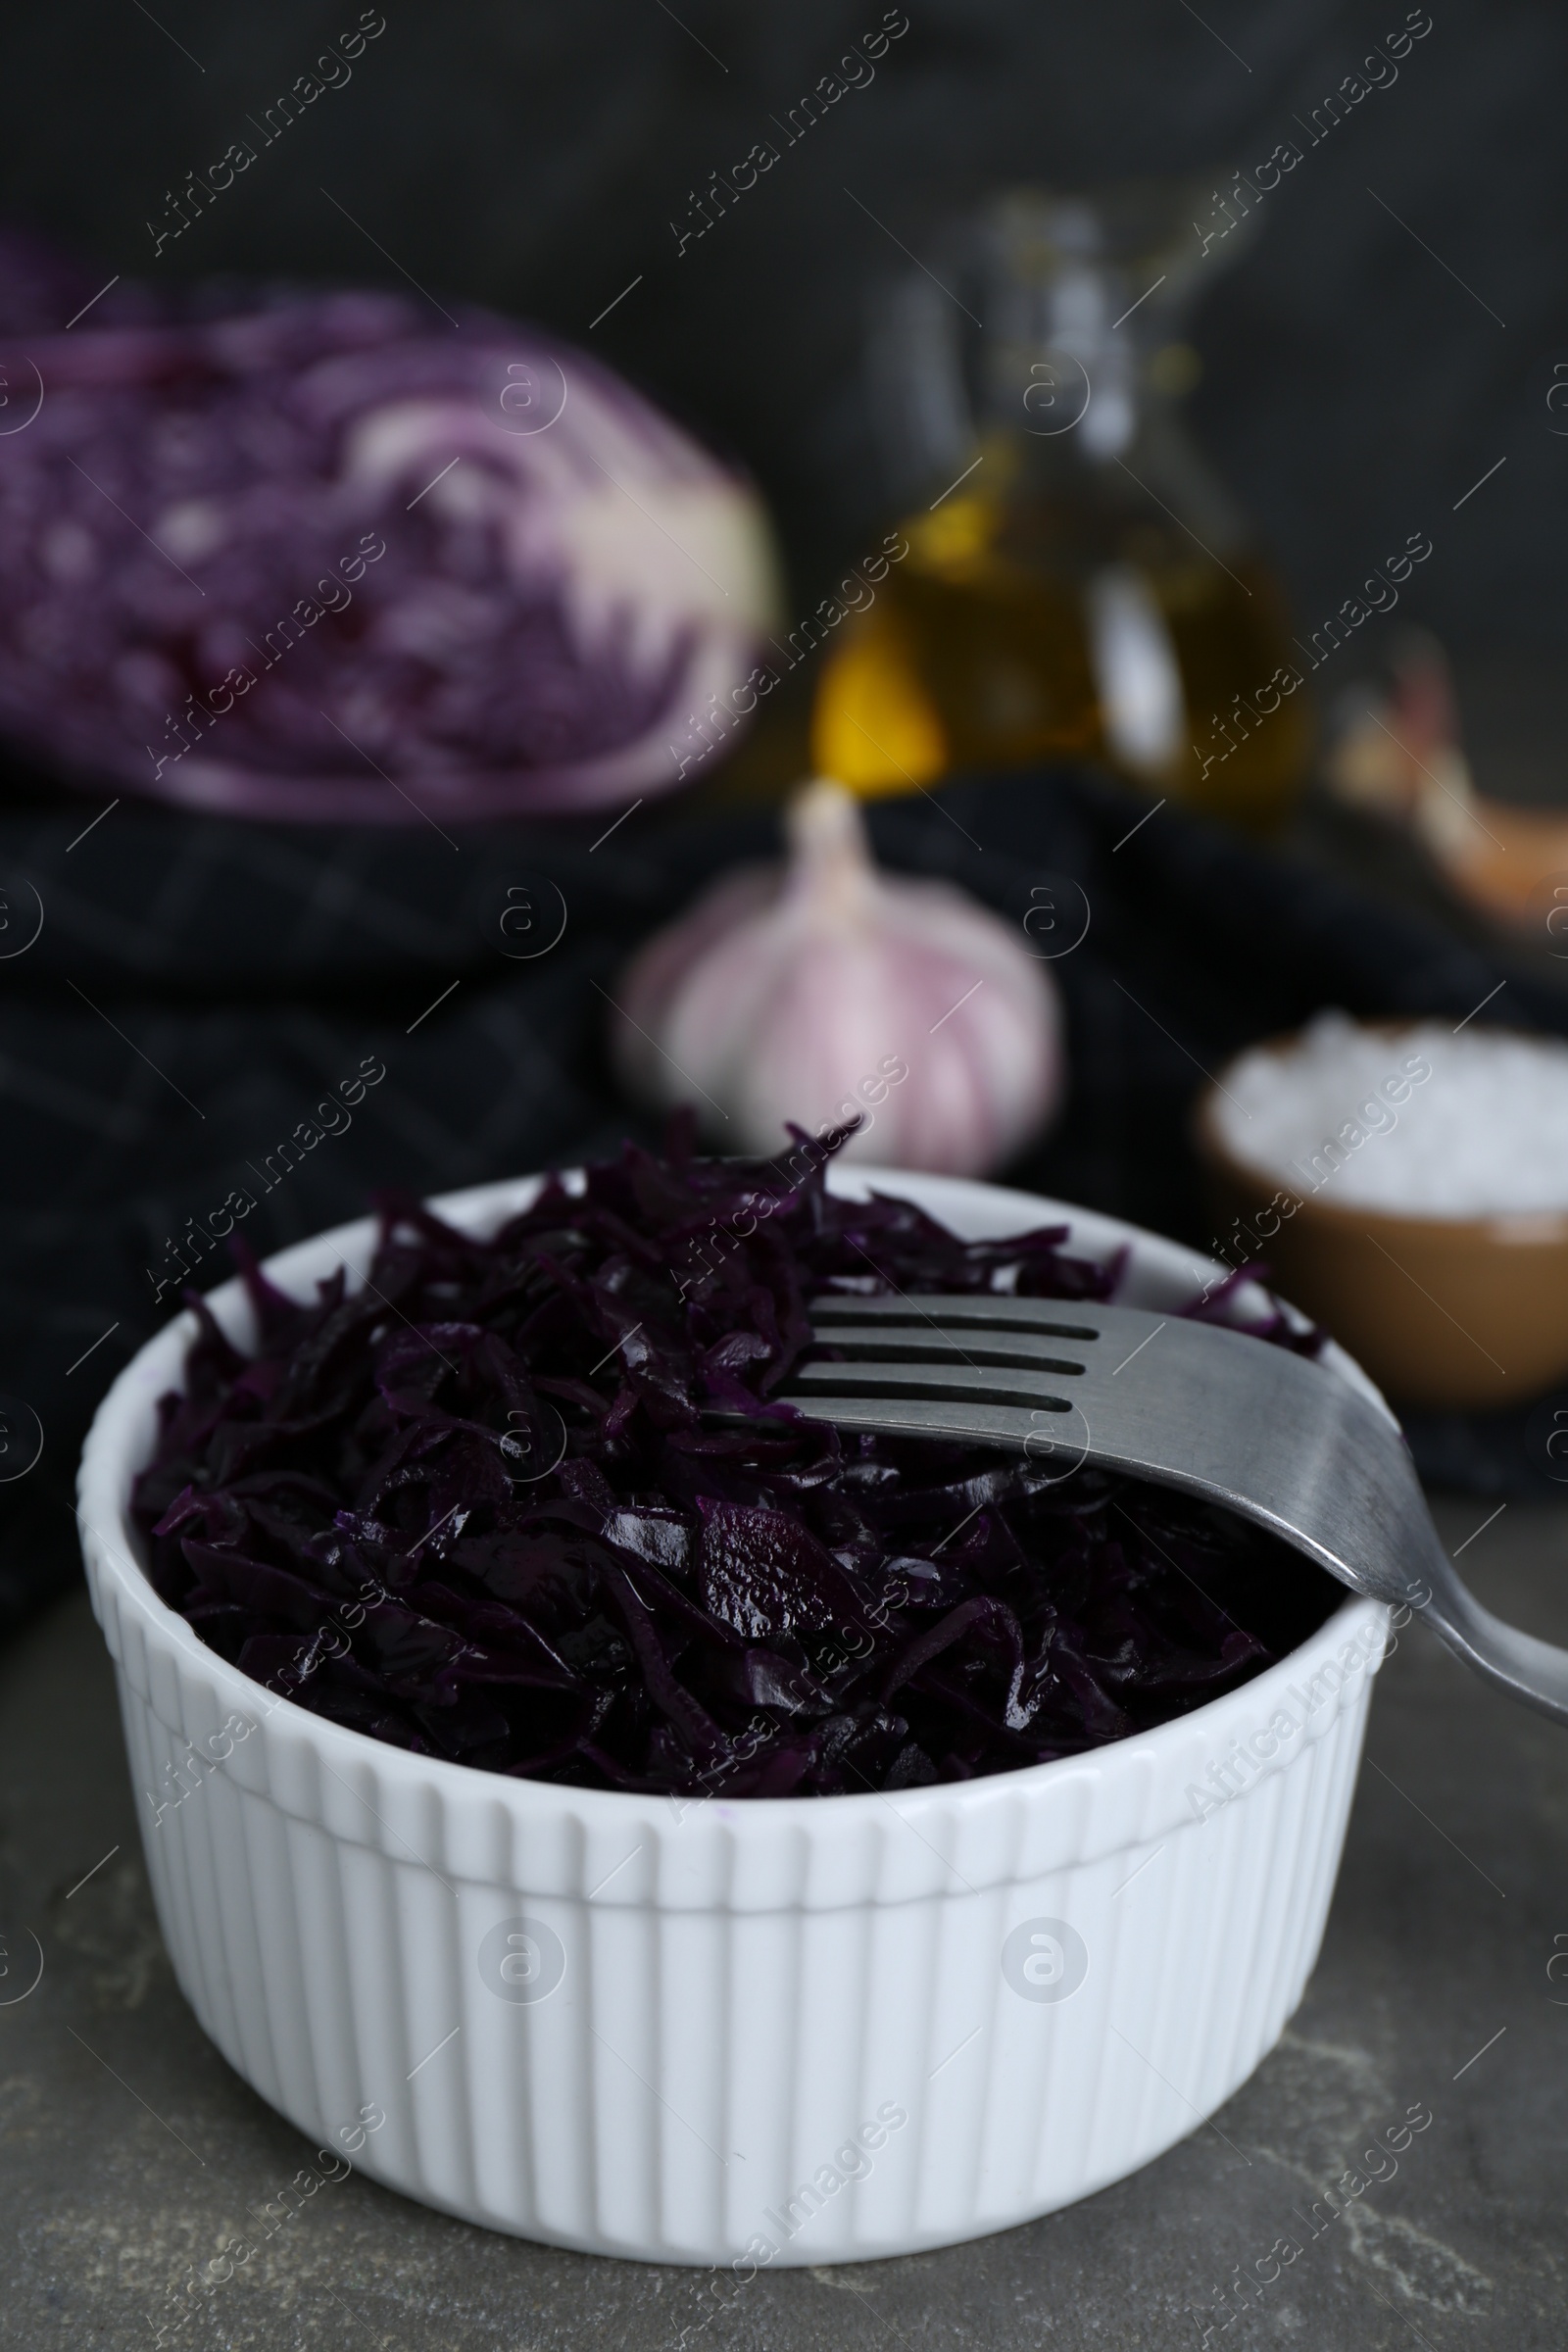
481, 1508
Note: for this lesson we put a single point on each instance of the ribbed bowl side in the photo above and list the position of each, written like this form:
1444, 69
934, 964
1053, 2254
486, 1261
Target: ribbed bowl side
826, 2083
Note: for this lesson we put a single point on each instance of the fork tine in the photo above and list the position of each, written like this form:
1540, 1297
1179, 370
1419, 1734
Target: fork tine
937, 1344
963, 1312
1027, 1430
955, 1381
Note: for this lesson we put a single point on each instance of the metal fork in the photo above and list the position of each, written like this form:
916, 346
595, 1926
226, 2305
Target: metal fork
1285, 1441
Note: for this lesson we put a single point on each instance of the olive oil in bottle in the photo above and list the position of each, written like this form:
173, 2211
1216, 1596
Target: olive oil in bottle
1082, 589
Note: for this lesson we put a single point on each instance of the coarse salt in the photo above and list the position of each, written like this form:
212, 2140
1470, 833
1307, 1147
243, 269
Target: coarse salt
1414, 1120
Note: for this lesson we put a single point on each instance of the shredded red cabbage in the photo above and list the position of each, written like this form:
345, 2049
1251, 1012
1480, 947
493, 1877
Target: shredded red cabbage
481, 1509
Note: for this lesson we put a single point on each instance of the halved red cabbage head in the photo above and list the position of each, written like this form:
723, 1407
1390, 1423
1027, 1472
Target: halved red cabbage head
481, 1508
333, 556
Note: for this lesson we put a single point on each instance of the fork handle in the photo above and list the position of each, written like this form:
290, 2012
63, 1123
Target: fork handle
1531, 1670
1367, 1465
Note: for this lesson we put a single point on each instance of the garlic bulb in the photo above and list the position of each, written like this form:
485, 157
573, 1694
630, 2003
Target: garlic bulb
826, 990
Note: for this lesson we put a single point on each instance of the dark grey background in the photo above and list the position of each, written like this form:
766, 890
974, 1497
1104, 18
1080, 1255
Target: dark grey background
532, 156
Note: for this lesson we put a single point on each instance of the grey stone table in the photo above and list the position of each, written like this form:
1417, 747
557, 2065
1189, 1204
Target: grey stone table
129, 2150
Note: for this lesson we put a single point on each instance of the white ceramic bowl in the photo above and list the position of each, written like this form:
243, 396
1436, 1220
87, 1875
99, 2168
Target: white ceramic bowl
785, 2029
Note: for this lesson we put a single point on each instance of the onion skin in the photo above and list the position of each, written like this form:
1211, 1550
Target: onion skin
801, 993
567, 576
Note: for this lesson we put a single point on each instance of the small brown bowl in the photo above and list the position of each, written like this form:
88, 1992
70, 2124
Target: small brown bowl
1462, 1313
